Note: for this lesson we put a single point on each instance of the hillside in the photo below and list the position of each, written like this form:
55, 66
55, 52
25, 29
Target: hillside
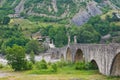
78, 11
55, 18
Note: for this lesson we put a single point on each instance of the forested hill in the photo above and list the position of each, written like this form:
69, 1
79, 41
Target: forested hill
79, 11
91, 21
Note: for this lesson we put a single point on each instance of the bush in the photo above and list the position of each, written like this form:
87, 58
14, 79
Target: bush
80, 65
54, 67
93, 66
1, 66
49, 63
61, 64
16, 57
32, 57
28, 65
6, 20
41, 64
85, 66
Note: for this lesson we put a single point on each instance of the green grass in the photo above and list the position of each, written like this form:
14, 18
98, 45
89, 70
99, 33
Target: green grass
64, 73
25, 23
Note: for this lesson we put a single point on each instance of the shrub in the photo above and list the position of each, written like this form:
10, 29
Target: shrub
54, 67
61, 64
41, 64
80, 65
85, 66
28, 65
16, 57
1, 66
32, 57
49, 63
93, 66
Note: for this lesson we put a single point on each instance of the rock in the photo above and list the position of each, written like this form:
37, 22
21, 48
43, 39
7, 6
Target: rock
83, 15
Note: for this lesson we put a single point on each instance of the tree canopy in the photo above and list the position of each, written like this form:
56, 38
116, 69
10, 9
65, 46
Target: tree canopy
16, 57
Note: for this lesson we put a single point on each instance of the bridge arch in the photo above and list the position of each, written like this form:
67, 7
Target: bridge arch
94, 65
115, 67
68, 55
57, 55
53, 55
62, 57
79, 56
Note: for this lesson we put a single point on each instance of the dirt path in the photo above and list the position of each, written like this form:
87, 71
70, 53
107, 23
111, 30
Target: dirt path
5, 74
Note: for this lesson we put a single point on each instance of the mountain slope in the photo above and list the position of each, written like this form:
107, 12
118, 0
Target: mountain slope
78, 11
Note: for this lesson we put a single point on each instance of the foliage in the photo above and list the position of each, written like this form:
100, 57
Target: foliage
1, 41
42, 19
32, 57
6, 20
60, 40
33, 45
87, 34
101, 26
106, 9
41, 65
80, 66
44, 9
28, 65
54, 67
56, 34
1, 66
8, 32
85, 66
61, 64
114, 17
16, 58
21, 41
45, 30
116, 2
8, 7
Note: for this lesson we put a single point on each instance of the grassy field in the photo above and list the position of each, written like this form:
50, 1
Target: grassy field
65, 73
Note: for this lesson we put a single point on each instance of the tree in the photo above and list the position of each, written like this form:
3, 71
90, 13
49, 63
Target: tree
61, 37
94, 20
87, 34
103, 28
1, 42
16, 57
1, 17
6, 20
41, 64
34, 46
21, 41
54, 67
52, 32
32, 57
45, 30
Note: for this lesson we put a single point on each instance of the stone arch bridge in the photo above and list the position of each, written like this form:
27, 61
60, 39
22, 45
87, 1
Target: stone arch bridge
106, 56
